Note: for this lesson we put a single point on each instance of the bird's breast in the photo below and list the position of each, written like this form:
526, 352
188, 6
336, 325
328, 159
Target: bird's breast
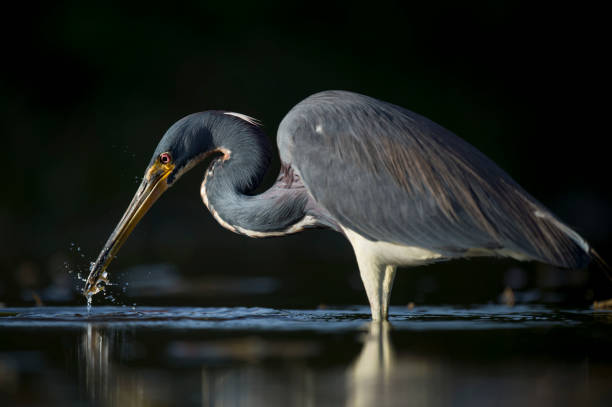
390, 253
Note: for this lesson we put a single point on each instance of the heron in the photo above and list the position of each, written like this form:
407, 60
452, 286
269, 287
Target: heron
402, 189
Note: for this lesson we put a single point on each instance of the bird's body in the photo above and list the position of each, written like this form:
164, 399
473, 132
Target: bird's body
402, 189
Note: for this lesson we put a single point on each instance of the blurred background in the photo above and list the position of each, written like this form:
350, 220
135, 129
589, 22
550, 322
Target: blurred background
88, 88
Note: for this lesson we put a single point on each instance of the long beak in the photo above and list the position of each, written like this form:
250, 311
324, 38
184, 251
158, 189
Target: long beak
152, 187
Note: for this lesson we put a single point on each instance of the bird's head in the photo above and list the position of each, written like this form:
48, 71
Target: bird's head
185, 144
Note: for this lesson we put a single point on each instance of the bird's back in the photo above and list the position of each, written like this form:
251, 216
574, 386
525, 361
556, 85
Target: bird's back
392, 175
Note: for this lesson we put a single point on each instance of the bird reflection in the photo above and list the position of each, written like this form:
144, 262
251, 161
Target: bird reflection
237, 371
369, 377
105, 383
94, 354
369, 380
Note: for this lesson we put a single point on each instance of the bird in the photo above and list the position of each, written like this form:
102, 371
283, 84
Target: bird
402, 189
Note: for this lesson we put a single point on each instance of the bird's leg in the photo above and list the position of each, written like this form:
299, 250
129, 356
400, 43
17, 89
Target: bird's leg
378, 282
387, 287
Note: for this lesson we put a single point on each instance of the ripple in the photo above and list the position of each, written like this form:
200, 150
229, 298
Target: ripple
335, 319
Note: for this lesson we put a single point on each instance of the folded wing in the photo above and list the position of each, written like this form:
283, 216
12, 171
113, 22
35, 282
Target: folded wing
392, 175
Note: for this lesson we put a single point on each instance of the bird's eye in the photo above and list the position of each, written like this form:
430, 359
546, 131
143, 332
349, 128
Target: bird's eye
165, 158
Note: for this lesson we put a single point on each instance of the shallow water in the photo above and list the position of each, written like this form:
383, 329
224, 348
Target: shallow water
154, 356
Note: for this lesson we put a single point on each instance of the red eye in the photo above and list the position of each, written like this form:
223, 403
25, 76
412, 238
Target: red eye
165, 158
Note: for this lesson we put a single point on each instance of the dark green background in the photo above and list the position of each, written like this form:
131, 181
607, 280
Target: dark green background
87, 90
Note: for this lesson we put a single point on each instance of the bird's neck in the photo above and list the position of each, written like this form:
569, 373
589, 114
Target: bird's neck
231, 179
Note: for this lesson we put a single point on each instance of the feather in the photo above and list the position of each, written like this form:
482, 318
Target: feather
395, 176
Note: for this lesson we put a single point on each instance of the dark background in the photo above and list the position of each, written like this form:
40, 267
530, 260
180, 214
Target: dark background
88, 89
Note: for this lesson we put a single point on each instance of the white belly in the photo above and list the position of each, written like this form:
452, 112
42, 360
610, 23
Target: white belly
390, 253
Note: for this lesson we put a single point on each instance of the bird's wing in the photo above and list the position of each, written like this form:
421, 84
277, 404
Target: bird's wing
392, 175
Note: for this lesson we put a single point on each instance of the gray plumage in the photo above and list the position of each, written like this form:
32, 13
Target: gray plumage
387, 173
392, 175
404, 190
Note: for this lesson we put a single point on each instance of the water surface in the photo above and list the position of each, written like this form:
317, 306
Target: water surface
157, 356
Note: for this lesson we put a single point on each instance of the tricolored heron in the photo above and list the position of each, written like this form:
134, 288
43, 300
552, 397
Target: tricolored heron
402, 189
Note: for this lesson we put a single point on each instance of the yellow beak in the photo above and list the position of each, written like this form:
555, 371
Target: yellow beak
152, 187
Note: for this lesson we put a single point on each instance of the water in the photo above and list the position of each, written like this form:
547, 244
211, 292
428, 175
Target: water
154, 356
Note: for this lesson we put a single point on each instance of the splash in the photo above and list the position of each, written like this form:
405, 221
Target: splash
76, 270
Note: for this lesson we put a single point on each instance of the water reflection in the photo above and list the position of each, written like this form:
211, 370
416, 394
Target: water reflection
560, 358
245, 371
369, 377
94, 354
105, 382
